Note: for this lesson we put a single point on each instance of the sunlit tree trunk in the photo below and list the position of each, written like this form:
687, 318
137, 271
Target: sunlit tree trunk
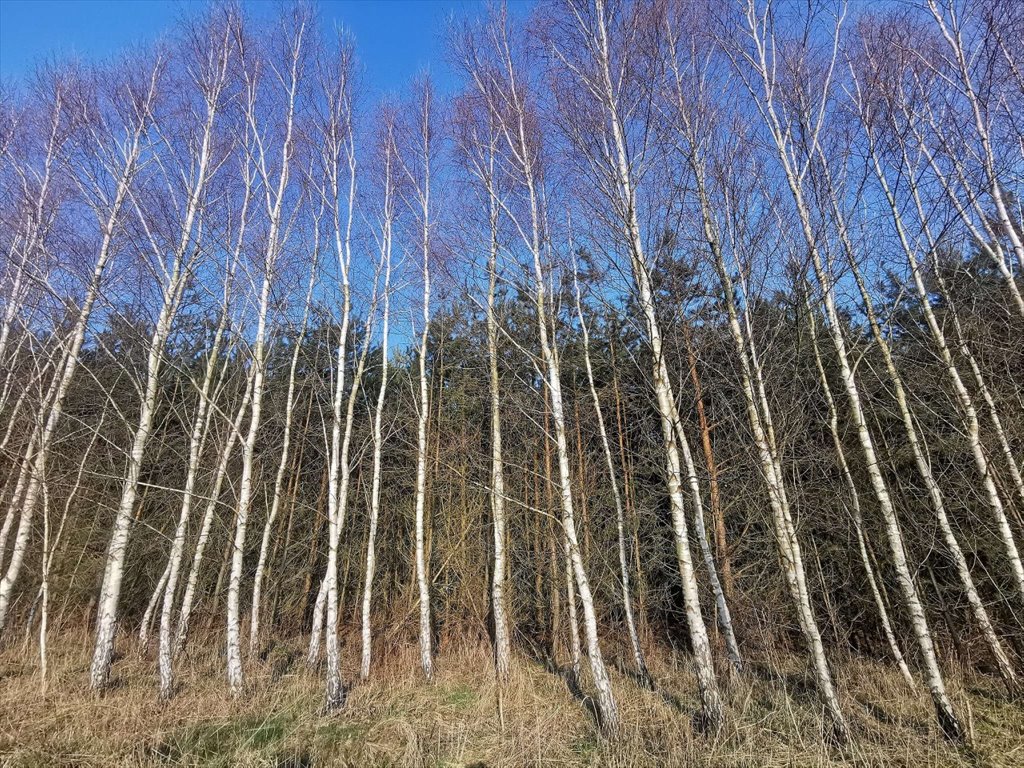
622, 194
418, 172
965, 400
386, 243
211, 84
854, 497
277, 233
275, 504
759, 417
234, 433
620, 517
477, 136
502, 644
921, 460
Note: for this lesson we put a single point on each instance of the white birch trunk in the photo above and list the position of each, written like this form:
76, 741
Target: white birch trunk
757, 28
146, 625
66, 370
378, 445
553, 382
575, 647
422, 580
643, 673
711, 705
341, 446
212, 501
197, 442
338, 140
110, 592
854, 495
913, 438
177, 278
317, 628
234, 640
759, 416
275, 504
502, 644
276, 235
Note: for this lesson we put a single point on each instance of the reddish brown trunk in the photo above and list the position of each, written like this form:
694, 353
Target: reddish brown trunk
717, 515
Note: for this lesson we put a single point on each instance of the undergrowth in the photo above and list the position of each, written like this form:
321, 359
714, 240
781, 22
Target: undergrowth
399, 719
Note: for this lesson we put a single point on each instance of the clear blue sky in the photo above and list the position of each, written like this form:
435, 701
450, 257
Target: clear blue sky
395, 39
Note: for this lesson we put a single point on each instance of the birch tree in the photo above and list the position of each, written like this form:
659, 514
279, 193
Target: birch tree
757, 66
116, 160
289, 414
389, 171
280, 209
620, 517
477, 140
418, 172
210, 80
586, 55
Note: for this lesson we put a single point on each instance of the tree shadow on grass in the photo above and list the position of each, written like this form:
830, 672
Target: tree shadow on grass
797, 684
627, 670
568, 676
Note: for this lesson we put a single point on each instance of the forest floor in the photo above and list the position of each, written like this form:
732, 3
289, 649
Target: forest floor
399, 719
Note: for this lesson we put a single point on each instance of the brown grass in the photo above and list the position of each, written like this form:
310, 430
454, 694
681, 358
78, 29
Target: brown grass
399, 719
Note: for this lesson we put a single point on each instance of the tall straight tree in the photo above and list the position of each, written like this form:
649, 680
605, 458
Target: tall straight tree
610, 82
280, 208
417, 162
643, 673
389, 175
210, 82
289, 417
502, 81
477, 139
336, 168
700, 134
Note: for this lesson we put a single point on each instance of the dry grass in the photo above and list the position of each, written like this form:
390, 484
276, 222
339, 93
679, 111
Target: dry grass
399, 719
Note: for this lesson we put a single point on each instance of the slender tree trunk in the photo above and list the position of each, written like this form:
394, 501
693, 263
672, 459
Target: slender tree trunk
422, 580
924, 465
969, 412
277, 232
378, 446
620, 518
275, 505
575, 647
854, 496
502, 649
947, 718
233, 434
69, 364
110, 592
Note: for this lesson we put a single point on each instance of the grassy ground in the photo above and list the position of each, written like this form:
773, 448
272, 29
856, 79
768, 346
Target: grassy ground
399, 719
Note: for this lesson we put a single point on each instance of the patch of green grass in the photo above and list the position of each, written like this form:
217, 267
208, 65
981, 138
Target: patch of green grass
586, 746
339, 731
220, 742
460, 697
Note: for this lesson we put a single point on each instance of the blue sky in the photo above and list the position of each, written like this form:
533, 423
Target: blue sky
395, 39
